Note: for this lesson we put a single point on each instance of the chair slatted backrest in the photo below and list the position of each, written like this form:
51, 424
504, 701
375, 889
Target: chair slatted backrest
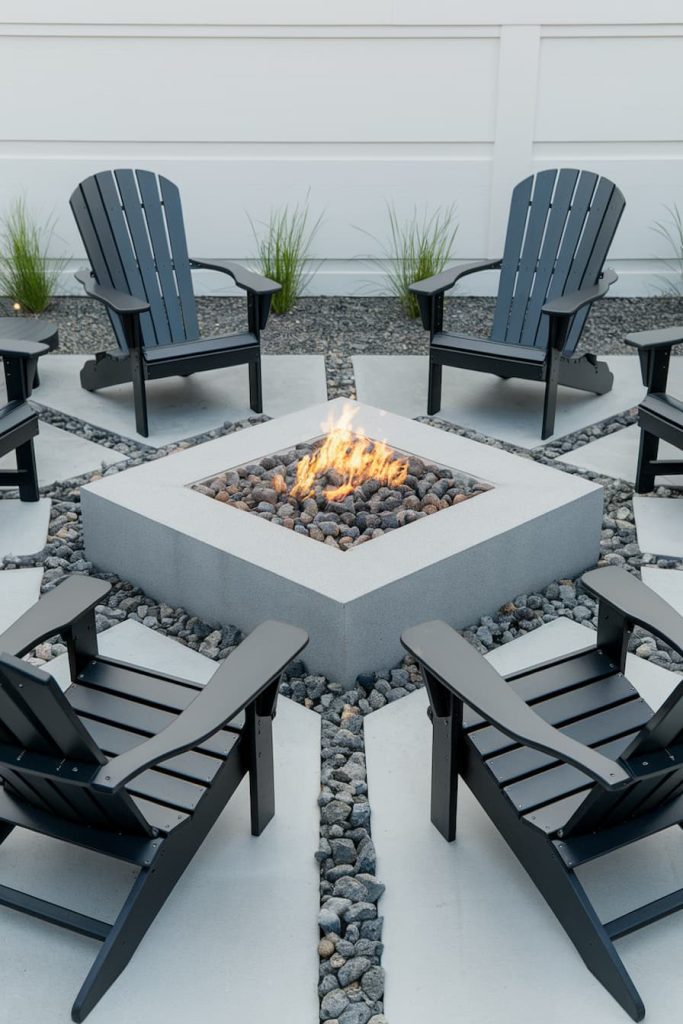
560, 228
131, 224
656, 753
47, 754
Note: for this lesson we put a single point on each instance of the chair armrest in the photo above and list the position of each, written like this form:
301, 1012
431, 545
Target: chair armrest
247, 672
429, 292
440, 283
246, 279
654, 349
568, 305
23, 349
458, 667
665, 337
636, 602
55, 612
119, 302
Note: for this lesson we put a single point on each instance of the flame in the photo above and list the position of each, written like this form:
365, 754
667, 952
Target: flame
353, 456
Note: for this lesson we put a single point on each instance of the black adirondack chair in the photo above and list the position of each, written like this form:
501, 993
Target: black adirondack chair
560, 228
131, 223
18, 421
660, 415
129, 763
566, 759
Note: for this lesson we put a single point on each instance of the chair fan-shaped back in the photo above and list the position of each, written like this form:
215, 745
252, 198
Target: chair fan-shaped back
131, 224
559, 231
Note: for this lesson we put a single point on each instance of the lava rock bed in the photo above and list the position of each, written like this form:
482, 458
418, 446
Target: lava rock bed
369, 511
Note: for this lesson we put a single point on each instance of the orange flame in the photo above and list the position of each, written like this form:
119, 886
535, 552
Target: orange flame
353, 456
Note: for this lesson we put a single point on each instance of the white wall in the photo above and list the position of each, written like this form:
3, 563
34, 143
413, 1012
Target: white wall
249, 105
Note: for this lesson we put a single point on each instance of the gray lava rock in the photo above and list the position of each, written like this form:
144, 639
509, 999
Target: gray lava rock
333, 1004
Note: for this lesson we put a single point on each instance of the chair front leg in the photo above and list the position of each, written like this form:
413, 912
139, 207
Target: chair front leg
133, 335
446, 750
558, 329
28, 474
259, 737
434, 387
647, 454
550, 396
255, 391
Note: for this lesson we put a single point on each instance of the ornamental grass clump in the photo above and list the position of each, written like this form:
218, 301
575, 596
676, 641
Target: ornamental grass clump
671, 231
283, 252
416, 249
27, 275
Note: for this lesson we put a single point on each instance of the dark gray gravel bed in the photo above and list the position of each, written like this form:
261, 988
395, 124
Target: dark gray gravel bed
340, 327
360, 324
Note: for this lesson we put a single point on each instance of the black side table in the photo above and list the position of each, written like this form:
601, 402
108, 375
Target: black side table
21, 328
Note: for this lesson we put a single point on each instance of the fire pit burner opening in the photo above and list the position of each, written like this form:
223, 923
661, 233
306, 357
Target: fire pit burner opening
342, 489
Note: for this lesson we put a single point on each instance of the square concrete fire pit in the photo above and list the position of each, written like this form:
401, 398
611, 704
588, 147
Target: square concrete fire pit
226, 565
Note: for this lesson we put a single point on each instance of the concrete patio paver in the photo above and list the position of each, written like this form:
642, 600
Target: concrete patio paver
668, 583
237, 937
19, 589
659, 525
181, 407
507, 409
616, 455
23, 526
466, 931
61, 455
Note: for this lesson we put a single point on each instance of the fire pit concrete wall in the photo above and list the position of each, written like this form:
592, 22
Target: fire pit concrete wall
535, 525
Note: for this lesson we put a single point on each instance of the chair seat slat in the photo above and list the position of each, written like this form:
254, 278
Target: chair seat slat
140, 718
167, 790
599, 728
552, 680
554, 817
191, 765
160, 817
558, 781
567, 707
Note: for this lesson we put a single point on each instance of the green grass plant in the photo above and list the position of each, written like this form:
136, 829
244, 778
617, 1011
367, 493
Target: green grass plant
27, 276
415, 249
671, 230
283, 250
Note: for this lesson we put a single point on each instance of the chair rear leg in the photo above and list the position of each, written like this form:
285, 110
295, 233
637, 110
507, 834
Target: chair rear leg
434, 387
255, 393
558, 885
26, 464
647, 454
567, 899
152, 888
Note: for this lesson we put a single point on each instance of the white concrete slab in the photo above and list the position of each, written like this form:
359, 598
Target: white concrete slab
237, 937
23, 526
61, 455
616, 455
659, 525
668, 583
466, 932
180, 407
508, 409
19, 589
